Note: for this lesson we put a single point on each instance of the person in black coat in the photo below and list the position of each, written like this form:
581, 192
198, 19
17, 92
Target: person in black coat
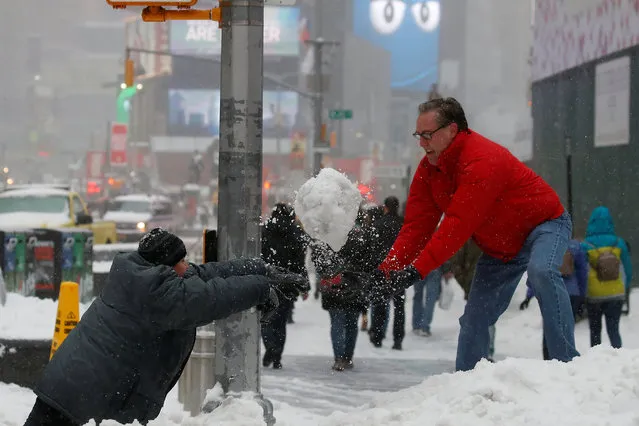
384, 233
342, 290
131, 345
284, 245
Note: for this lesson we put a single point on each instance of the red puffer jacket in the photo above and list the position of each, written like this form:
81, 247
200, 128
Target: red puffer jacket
484, 191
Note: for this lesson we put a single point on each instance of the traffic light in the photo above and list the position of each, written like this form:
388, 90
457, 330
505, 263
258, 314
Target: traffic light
129, 73
333, 140
123, 105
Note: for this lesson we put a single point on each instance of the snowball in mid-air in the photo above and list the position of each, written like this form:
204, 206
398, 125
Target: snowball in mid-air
327, 206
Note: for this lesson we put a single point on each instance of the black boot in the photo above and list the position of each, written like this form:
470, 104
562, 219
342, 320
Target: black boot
376, 343
268, 358
348, 363
339, 364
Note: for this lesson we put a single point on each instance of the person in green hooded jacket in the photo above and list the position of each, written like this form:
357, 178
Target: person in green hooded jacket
609, 276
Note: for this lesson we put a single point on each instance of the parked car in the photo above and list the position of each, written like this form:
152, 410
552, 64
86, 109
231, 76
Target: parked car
51, 206
134, 214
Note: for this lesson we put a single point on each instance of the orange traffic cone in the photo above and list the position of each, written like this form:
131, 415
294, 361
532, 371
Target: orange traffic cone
68, 314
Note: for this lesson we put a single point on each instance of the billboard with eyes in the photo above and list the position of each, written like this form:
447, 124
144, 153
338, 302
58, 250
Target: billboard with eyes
409, 29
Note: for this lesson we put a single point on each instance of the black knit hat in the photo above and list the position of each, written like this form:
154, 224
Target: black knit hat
160, 247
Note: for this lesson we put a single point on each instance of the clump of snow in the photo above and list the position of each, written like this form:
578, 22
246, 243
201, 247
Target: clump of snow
310, 268
215, 395
327, 206
29, 318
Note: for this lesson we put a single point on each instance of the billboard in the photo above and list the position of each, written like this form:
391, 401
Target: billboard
194, 112
569, 33
197, 113
205, 38
409, 30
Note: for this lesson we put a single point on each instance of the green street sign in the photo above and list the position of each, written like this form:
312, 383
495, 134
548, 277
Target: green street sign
340, 114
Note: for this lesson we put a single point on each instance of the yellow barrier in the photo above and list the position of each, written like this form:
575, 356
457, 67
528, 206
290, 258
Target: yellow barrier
68, 313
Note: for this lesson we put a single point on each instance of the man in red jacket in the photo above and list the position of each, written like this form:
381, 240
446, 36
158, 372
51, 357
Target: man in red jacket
515, 217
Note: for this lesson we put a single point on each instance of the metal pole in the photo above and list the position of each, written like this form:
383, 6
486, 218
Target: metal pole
568, 147
106, 172
278, 129
319, 105
312, 162
237, 358
317, 147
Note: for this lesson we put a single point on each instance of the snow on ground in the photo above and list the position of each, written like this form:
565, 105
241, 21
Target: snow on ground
327, 206
29, 317
599, 388
15, 404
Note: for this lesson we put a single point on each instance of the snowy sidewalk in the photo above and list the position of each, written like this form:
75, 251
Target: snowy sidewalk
308, 382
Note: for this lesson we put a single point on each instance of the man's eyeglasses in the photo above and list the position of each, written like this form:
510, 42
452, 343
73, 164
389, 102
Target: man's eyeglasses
428, 135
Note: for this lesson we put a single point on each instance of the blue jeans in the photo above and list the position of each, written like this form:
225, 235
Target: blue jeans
495, 282
423, 310
343, 332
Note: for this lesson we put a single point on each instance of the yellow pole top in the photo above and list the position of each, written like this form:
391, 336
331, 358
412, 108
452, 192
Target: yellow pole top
160, 14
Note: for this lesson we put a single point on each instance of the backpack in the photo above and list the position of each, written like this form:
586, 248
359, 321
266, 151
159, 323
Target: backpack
607, 265
567, 267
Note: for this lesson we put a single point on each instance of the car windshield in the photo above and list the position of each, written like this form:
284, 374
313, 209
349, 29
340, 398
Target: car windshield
130, 206
34, 204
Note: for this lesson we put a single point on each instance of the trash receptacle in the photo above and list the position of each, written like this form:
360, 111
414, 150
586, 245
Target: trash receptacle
13, 261
199, 373
43, 263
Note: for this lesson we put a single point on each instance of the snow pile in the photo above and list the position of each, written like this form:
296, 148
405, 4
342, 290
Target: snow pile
15, 404
599, 388
29, 318
595, 389
232, 412
327, 206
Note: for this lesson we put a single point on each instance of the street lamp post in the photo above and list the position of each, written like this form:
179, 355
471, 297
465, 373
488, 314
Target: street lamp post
237, 338
568, 152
